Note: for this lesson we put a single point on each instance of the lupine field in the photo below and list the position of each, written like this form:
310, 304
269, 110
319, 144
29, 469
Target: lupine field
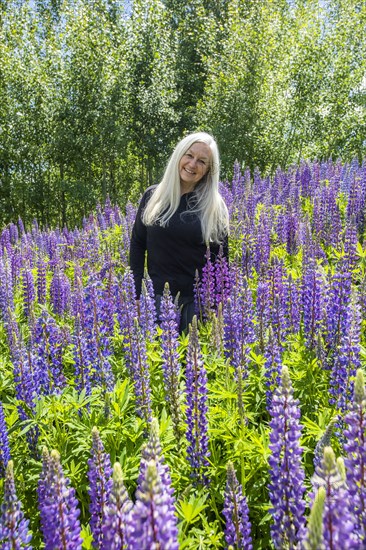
248, 432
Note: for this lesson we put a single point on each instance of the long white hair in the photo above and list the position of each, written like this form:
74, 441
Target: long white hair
207, 203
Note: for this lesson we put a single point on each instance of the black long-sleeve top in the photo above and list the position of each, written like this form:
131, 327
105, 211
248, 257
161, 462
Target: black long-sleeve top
174, 252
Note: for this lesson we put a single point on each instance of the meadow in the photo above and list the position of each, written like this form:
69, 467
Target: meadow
248, 432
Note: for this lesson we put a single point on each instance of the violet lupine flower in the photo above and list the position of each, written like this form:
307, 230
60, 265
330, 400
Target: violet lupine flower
60, 292
338, 522
272, 367
97, 335
350, 246
6, 290
152, 523
126, 310
58, 506
286, 487
28, 291
238, 527
323, 442
222, 280
263, 246
4, 443
196, 396
116, 511
14, 532
82, 360
41, 281
48, 349
339, 299
312, 304
263, 312
347, 359
153, 451
355, 462
171, 366
140, 373
100, 485
291, 305
147, 315
207, 287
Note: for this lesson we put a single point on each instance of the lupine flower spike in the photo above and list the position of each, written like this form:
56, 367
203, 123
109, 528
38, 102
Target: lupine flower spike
237, 529
4, 443
114, 530
286, 487
58, 506
14, 532
314, 535
152, 525
197, 423
355, 461
100, 485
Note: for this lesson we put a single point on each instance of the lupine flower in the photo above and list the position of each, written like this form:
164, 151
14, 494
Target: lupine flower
48, 348
338, 523
4, 443
140, 374
58, 507
263, 312
28, 292
286, 487
312, 304
82, 360
6, 290
237, 528
171, 366
291, 306
60, 292
152, 524
263, 246
147, 315
14, 532
272, 367
323, 442
355, 462
100, 485
126, 313
119, 505
197, 423
222, 280
314, 534
41, 281
347, 359
339, 299
207, 287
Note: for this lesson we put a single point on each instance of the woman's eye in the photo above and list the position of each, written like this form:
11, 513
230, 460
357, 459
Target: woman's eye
202, 162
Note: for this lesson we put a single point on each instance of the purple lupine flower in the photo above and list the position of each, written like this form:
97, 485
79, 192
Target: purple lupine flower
28, 292
286, 487
347, 359
14, 532
312, 304
338, 522
48, 349
6, 290
60, 292
100, 485
152, 523
171, 365
196, 395
97, 335
350, 246
339, 299
222, 280
4, 443
82, 360
147, 315
263, 312
272, 367
58, 507
263, 246
140, 373
126, 313
119, 505
207, 287
355, 462
41, 281
291, 306
238, 527
276, 303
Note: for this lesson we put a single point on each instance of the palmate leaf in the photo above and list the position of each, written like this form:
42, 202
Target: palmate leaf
189, 510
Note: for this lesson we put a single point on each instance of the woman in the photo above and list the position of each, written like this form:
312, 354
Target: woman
176, 221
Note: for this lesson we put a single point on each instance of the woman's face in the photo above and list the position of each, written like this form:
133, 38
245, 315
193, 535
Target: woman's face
194, 164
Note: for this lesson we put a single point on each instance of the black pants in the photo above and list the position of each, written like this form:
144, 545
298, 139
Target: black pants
187, 311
